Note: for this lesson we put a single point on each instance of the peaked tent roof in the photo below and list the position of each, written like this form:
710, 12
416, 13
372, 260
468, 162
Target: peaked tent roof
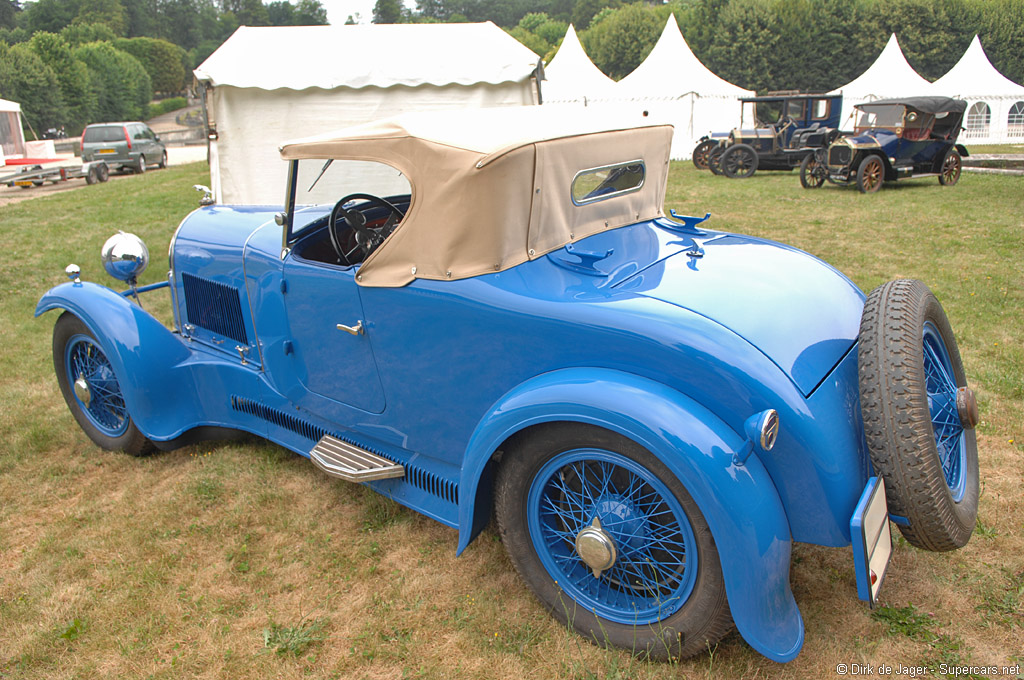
355, 56
571, 75
890, 76
671, 69
974, 74
6, 105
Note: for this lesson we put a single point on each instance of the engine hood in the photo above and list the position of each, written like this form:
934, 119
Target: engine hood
800, 312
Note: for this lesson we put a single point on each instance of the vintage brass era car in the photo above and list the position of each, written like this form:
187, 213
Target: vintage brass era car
490, 311
893, 139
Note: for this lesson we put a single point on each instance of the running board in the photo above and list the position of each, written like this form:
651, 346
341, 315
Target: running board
351, 463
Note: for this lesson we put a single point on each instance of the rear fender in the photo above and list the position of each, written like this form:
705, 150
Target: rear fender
149, 359
740, 502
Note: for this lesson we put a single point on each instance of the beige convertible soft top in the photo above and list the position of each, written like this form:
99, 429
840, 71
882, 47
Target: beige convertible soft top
491, 187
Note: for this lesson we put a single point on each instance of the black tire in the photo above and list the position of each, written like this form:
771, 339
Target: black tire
907, 350
949, 174
739, 161
538, 469
140, 168
700, 153
92, 176
102, 172
870, 174
163, 160
811, 173
715, 159
103, 417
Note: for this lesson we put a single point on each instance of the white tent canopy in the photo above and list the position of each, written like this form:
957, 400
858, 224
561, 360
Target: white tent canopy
572, 76
890, 76
995, 110
270, 84
12, 138
670, 86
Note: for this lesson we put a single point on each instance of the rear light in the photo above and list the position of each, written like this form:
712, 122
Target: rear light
127, 138
81, 144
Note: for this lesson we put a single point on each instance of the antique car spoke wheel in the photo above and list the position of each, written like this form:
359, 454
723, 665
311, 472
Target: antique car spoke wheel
739, 161
611, 542
92, 390
700, 154
919, 415
870, 175
951, 167
812, 174
715, 159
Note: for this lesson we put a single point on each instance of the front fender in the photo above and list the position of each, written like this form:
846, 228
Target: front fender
145, 355
740, 503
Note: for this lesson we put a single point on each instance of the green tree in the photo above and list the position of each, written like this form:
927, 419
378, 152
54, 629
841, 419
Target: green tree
248, 12
72, 76
280, 13
161, 59
621, 41
387, 12
742, 50
310, 13
107, 12
585, 10
48, 15
9, 13
24, 78
122, 86
80, 34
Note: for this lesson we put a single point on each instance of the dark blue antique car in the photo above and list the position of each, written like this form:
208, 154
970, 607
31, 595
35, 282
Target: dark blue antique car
893, 139
786, 128
490, 312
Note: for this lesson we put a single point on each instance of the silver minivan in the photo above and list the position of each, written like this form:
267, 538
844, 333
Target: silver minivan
131, 146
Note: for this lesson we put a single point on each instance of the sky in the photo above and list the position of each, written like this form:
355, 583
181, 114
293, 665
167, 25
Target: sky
338, 11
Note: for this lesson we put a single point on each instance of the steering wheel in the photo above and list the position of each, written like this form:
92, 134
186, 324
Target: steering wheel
365, 238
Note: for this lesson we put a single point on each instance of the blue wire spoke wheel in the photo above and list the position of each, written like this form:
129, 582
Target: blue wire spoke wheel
919, 415
651, 551
91, 388
610, 541
96, 389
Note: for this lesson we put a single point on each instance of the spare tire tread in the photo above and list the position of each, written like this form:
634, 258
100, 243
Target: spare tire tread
897, 422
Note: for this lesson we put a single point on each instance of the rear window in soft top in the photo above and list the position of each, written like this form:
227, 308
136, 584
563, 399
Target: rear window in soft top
104, 133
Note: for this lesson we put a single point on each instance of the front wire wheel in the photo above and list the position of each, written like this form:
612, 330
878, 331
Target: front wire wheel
701, 153
92, 390
611, 542
870, 175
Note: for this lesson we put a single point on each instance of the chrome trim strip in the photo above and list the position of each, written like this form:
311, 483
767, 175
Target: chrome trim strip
602, 197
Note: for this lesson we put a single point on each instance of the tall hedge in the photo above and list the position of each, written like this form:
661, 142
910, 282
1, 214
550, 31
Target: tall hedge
25, 78
161, 59
72, 75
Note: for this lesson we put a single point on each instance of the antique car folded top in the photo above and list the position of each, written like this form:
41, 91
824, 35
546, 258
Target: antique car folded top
489, 311
893, 139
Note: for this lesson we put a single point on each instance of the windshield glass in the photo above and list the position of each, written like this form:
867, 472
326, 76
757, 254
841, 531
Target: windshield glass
324, 182
768, 113
883, 116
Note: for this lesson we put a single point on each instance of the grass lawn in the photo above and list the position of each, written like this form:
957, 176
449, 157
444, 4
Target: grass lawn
240, 560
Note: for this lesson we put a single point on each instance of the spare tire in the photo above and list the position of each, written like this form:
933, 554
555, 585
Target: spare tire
919, 415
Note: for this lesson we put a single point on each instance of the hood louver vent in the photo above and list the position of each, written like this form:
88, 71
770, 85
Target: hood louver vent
214, 306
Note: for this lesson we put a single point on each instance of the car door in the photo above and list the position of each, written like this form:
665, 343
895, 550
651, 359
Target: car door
329, 335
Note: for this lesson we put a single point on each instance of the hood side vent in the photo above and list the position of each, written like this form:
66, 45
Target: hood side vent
214, 306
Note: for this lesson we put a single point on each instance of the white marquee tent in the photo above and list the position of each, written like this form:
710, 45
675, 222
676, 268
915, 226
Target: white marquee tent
12, 138
268, 85
889, 76
670, 86
995, 111
571, 77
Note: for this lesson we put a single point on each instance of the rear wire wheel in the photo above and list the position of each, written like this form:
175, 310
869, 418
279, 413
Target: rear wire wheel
951, 166
610, 541
919, 416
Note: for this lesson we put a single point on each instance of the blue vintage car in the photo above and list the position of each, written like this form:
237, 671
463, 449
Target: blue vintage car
893, 139
489, 311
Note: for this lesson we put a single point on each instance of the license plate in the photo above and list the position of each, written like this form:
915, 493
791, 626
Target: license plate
871, 536
23, 183
107, 151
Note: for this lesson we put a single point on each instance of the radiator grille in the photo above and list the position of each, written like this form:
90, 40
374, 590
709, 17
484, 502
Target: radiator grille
424, 480
214, 306
839, 155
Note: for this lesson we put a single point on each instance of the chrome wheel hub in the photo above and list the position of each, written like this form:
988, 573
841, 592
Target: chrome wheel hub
967, 408
82, 391
596, 548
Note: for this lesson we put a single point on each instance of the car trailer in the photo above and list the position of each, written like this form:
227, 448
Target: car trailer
33, 174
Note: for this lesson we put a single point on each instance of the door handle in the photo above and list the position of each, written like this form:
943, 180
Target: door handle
353, 330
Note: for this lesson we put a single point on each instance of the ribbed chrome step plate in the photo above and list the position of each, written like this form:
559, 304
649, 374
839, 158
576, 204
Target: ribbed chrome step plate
351, 463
